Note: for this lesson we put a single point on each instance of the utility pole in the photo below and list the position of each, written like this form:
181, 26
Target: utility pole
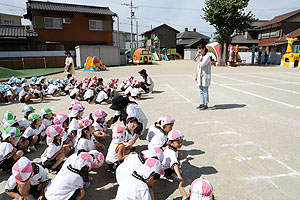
131, 19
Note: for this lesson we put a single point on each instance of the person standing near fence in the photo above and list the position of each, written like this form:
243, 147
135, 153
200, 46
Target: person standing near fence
203, 75
69, 64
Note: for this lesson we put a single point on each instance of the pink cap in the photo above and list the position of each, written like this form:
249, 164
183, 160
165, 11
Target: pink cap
59, 119
53, 131
201, 189
82, 160
118, 134
99, 114
154, 152
98, 158
175, 135
166, 119
22, 170
83, 123
151, 166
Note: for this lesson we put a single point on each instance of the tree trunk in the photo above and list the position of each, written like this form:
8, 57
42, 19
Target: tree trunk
226, 52
222, 55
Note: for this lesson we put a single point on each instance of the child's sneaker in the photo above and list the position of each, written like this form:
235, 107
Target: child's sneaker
42, 142
53, 171
32, 148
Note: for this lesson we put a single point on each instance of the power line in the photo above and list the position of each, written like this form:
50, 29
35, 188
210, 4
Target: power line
12, 6
131, 18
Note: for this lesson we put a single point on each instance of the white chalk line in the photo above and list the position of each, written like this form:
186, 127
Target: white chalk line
178, 93
258, 84
254, 178
265, 78
238, 145
258, 96
208, 122
266, 83
224, 133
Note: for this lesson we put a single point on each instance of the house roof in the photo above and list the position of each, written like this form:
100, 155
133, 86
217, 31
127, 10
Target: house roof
63, 7
279, 18
191, 35
187, 42
15, 31
241, 39
294, 34
151, 30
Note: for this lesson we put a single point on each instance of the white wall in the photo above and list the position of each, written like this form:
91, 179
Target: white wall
189, 54
109, 55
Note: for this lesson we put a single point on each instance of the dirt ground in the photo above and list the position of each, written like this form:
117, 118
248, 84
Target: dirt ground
246, 144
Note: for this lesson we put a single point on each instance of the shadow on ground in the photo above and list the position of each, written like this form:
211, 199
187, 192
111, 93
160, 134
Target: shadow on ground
227, 106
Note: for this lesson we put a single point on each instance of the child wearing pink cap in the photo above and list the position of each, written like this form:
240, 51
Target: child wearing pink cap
75, 115
201, 189
86, 140
100, 124
116, 151
104, 95
139, 184
125, 84
54, 154
62, 120
8, 153
27, 178
69, 182
157, 133
171, 162
90, 94
134, 161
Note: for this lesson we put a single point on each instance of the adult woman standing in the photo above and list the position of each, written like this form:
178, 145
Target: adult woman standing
203, 75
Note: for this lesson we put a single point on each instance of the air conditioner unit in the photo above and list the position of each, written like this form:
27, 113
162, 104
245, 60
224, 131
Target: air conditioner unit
66, 20
29, 28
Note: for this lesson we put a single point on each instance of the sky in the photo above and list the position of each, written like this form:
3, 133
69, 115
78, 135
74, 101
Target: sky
176, 13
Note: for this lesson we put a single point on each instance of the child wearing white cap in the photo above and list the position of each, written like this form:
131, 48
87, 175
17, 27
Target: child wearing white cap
201, 189
171, 162
8, 153
68, 183
157, 133
116, 151
35, 132
55, 153
24, 95
134, 161
27, 178
138, 186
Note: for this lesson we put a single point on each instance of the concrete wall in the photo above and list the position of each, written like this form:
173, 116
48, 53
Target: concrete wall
189, 54
109, 55
16, 20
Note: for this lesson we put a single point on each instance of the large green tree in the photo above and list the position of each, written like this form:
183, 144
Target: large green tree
227, 17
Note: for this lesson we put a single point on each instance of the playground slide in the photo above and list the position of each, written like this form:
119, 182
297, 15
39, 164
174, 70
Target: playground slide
166, 57
179, 55
155, 56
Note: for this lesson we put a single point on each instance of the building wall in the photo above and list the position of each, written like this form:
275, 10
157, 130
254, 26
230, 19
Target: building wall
166, 35
75, 33
289, 27
10, 19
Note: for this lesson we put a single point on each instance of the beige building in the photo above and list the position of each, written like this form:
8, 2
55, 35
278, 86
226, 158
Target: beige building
6, 19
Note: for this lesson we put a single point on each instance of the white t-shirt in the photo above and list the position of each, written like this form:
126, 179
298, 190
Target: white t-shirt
170, 158
72, 126
111, 156
47, 122
17, 89
22, 94
129, 136
36, 179
128, 90
85, 144
50, 151
88, 94
69, 60
100, 126
9, 93
30, 131
31, 90
52, 88
130, 164
101, 96
158, 140
36, 91
134, 109
64, 185
133, 188
24, 123
5, 149
74, 91
153, 129
135, 92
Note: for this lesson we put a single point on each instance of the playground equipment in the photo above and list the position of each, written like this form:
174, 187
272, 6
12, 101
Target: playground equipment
290, 59
93, 64
142, 56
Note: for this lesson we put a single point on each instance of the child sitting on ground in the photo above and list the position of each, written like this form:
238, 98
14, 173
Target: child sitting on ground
27, 178
103, 95
47, 116
116, 151
171, 162
201, 189
54, 154
75, 116
8, 153
131, 136
125, 84
158, 132
39, 91
35, 132
62, 120
24, 123
89, 95
100, 124
21, 143
24, 95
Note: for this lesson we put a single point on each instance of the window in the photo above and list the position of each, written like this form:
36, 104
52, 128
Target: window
66, 20
60, 47
96, 25
42, 47
9, 22
52, 23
